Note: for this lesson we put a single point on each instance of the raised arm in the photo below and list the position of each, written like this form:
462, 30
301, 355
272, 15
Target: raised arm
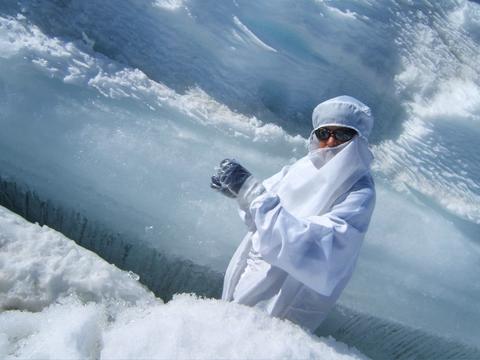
319, 251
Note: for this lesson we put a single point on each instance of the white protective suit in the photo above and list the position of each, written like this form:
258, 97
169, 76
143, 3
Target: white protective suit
306, 224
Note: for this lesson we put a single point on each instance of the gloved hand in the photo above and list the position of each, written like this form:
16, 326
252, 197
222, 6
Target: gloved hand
229, 178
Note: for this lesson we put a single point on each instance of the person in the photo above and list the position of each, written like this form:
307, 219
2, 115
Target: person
306, 223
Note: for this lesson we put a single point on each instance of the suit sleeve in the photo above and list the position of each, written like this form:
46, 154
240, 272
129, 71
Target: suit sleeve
253, 188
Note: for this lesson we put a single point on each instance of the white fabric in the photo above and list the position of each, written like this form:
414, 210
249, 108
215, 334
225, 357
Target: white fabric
320, 156
344, 111
306, 225
309, 189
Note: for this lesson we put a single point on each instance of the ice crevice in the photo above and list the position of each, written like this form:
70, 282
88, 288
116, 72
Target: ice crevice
167, 275
163, 274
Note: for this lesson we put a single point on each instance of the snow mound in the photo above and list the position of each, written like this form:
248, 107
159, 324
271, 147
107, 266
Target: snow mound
40, 266
62, 301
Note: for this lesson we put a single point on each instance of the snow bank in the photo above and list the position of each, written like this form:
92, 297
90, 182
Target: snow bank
39, 266
65, 302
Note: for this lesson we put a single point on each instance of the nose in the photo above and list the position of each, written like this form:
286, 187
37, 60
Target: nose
331, 141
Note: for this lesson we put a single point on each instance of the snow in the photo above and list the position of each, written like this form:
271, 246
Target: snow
118, 111
60, 301
40, 266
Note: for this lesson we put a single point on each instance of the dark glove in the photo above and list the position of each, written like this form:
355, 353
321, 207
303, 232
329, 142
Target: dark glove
229, 178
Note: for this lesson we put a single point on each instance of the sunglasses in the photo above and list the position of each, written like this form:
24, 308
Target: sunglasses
341, 134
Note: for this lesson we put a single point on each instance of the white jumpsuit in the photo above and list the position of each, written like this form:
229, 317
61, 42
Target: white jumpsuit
306, 226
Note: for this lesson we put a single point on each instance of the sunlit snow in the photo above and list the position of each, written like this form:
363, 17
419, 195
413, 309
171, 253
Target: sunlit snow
60, 301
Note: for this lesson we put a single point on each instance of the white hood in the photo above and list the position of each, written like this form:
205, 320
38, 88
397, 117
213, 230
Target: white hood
313, 183
344, 111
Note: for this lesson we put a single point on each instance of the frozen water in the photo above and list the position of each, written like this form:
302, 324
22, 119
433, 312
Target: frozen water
416, 63
119, 111
64, 302
131, 141
425, 274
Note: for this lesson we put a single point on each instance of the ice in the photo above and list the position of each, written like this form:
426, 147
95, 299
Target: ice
250, 35
200, 47
61, 301
113, 115
146, 152
169, 4
423, 66
440, 73
429, 272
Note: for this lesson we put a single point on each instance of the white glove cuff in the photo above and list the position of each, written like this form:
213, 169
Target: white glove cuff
250, 189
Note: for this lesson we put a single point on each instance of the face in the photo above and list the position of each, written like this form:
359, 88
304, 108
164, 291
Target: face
337, 135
